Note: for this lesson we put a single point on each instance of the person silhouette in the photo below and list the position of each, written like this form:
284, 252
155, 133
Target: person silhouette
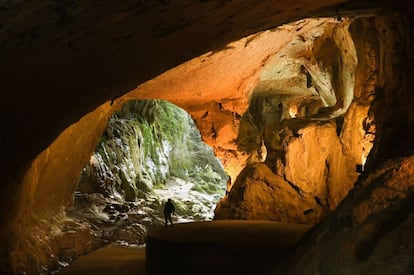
168, 210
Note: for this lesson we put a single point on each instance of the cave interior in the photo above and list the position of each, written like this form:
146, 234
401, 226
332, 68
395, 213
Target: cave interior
307, 104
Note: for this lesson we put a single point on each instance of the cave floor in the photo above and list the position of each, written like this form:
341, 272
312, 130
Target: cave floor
231, 247
111, 259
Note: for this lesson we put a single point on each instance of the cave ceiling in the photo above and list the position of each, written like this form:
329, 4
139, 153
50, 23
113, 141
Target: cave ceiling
66, 66
62, 59
304, 69
309, 67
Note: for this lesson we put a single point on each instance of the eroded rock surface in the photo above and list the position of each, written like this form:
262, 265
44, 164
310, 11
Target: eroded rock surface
305, 125
266, 196
371, 231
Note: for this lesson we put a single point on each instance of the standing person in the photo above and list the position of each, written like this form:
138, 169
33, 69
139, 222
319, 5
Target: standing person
168, 210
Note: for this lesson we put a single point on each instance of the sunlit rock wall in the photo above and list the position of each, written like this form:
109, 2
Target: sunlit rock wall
266, 196
40, 235
371, 230
317, 165
316, 176
215, 88
146, 144
306, 125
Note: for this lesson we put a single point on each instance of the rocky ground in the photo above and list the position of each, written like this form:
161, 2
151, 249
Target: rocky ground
126, 223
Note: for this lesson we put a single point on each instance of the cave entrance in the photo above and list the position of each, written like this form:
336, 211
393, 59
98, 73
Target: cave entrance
300, 110
295, 94
149, 152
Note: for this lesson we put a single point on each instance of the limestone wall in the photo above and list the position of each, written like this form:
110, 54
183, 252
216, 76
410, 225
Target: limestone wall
38, 233
371, 229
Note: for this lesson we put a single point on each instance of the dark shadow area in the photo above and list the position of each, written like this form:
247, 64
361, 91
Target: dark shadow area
111, 259
221, 247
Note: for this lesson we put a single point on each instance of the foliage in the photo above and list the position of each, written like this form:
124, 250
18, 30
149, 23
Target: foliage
146, 143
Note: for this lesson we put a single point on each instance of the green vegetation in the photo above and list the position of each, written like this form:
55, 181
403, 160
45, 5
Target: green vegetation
148, 142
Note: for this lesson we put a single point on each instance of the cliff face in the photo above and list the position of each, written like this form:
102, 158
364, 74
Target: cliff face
145, 144
372, 228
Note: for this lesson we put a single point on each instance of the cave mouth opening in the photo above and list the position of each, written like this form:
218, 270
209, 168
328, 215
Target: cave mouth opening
311, 153
302, 116
149, 152
301, 112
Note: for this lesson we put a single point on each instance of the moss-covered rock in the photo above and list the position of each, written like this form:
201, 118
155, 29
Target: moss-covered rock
146, 144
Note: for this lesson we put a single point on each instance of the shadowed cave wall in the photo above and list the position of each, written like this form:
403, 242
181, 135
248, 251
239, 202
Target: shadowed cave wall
372, 227
32, 227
